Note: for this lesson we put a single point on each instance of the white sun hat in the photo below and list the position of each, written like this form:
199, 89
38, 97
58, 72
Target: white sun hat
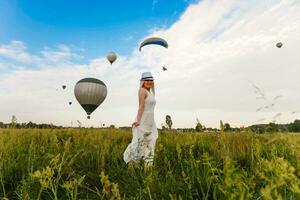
146, 76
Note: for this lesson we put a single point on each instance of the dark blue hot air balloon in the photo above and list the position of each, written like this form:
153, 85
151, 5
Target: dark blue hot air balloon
155, 41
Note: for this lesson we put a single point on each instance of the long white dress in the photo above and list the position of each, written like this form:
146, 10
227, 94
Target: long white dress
144, 136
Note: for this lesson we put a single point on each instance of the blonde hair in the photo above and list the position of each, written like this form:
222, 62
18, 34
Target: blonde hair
151, 89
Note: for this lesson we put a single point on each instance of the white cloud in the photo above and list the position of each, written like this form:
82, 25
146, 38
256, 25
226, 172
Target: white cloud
62, 54
215, 48
17, 50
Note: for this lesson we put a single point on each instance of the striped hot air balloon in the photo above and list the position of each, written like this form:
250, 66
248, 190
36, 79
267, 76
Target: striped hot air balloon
90, 93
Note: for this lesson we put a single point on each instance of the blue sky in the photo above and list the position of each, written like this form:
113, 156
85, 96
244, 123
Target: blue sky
96, 26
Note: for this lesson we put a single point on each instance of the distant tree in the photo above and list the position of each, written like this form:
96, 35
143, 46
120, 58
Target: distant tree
23, 125
112, 126
14, 121
227, 127
30, 125
199, 127
272, 127
295, 126
169, 121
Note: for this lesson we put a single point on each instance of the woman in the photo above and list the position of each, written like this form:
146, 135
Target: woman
144, 130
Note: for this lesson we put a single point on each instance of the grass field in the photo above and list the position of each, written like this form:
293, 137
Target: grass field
88, 164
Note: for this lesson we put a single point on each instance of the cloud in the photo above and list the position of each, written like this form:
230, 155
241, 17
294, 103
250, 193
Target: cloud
62, 54
16, 50
215, 48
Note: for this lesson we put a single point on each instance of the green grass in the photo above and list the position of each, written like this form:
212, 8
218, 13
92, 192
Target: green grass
88, 164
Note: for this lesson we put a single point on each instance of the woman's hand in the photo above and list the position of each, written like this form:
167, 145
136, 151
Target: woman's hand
135, 124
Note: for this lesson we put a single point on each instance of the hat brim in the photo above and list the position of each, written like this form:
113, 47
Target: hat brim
147, 79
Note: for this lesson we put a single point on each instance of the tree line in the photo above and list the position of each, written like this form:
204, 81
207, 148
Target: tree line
226, 127
257, 128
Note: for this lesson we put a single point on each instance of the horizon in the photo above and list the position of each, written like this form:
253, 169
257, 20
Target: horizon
14, 120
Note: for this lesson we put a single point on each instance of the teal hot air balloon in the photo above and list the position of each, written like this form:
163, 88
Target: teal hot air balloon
90, 93
155, 41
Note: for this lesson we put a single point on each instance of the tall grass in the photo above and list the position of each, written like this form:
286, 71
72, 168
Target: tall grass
88, 164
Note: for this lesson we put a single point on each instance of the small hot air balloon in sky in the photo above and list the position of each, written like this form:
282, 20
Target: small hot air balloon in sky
154, 40
111, 57
70, 103
90, 93
164, 68
279, 44
63, 87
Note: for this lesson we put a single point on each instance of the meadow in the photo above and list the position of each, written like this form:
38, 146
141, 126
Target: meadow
88, 164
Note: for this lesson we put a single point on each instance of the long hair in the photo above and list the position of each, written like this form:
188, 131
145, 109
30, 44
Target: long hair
151, 89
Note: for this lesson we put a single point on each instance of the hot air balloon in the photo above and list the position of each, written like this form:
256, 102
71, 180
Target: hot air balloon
279, 44
70, 103
154, 40
90, 93
111, 57
63, 87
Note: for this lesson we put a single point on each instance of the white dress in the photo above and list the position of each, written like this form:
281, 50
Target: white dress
144, 136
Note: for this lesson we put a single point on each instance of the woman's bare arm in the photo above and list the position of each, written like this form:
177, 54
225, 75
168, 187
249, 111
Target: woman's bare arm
142, 97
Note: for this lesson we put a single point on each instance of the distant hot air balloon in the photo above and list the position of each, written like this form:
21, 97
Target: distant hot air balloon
164, 68
90, 93
111, 57
279, 44
70, 103
154, 40
63, 87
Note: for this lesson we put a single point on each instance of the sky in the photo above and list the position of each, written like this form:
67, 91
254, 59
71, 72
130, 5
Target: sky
222, 60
